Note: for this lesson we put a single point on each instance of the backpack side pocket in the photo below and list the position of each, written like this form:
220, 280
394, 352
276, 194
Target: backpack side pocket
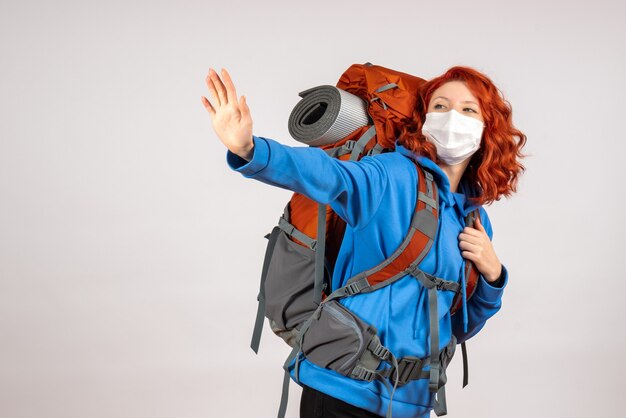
336, 338
289, 287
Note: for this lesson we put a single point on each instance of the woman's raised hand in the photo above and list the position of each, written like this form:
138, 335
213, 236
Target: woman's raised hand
230, 116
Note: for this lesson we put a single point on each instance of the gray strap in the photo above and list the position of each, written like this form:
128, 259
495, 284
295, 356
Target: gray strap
332, 152
375, 150
346, 148
425, 222
356, 285
440, 406
284, 397
386, 87
442, 284
362, 142
434, 340
379, 350
429, 184
260, 313
410, 368
434, 324
377, 99
320, 253
291, 230
428, 200
363, 373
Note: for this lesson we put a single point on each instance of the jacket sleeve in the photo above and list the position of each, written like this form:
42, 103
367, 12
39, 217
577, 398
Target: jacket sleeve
353, 189
486, 300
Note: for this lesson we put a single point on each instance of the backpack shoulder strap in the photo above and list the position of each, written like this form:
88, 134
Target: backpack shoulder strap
411, 251
471, 272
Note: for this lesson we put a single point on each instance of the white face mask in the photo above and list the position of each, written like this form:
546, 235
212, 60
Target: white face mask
456, 136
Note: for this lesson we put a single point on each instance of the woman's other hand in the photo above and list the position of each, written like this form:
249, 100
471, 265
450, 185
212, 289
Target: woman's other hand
476, 246
230, 116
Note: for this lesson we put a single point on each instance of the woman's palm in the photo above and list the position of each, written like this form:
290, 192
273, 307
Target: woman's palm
230, 116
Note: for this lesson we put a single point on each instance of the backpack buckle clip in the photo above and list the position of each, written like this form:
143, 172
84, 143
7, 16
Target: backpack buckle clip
362, 373
381, 352
408, 367
352, 288
349, 145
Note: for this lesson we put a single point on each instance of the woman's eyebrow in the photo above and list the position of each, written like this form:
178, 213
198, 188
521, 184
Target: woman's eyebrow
445, 98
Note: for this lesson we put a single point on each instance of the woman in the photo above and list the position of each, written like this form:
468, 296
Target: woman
462, 132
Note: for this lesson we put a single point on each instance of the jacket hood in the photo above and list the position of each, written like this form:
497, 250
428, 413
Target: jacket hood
459, 199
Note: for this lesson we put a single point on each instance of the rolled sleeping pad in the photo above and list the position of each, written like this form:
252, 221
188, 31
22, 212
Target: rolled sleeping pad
325, 115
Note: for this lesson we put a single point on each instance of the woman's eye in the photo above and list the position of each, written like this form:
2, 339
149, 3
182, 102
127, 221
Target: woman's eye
469, 108
438, 104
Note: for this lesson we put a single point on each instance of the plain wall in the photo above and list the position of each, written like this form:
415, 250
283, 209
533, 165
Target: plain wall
130, 253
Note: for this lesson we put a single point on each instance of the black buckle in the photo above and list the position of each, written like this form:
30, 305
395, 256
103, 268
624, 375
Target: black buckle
409, 367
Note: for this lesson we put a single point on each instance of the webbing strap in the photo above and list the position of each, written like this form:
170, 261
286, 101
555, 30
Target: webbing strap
362, 142
430, 283
465, 368
260, 313
320, 253
340, 150
409, 368
386, 87
376, 149
440, 406
377, 99
434, 339
291, 230
355, 286
284, 397
427, 199
363, 373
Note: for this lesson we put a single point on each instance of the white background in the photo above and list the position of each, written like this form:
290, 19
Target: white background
130, 253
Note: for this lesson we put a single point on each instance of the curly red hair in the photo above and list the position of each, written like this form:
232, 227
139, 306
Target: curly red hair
494, 169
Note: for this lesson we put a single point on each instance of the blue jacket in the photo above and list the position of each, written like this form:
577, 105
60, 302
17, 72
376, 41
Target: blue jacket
376, 197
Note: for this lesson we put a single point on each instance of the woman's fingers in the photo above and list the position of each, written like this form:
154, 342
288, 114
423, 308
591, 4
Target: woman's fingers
474, 239
243, 105
231, 93
479, 225
219, 87
208, 106
474, 248
212, 89
469, 256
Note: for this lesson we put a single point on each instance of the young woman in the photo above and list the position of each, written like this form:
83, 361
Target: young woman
462, 132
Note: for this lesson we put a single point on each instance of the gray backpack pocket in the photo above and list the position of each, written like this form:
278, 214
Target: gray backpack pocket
289, 286
336, 338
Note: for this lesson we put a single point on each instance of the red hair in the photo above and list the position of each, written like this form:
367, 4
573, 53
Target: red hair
494, 169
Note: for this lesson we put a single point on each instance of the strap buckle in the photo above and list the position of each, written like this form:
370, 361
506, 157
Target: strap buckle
379, 350
349, 145
445, 284
362, 373
352, 288
408, 368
